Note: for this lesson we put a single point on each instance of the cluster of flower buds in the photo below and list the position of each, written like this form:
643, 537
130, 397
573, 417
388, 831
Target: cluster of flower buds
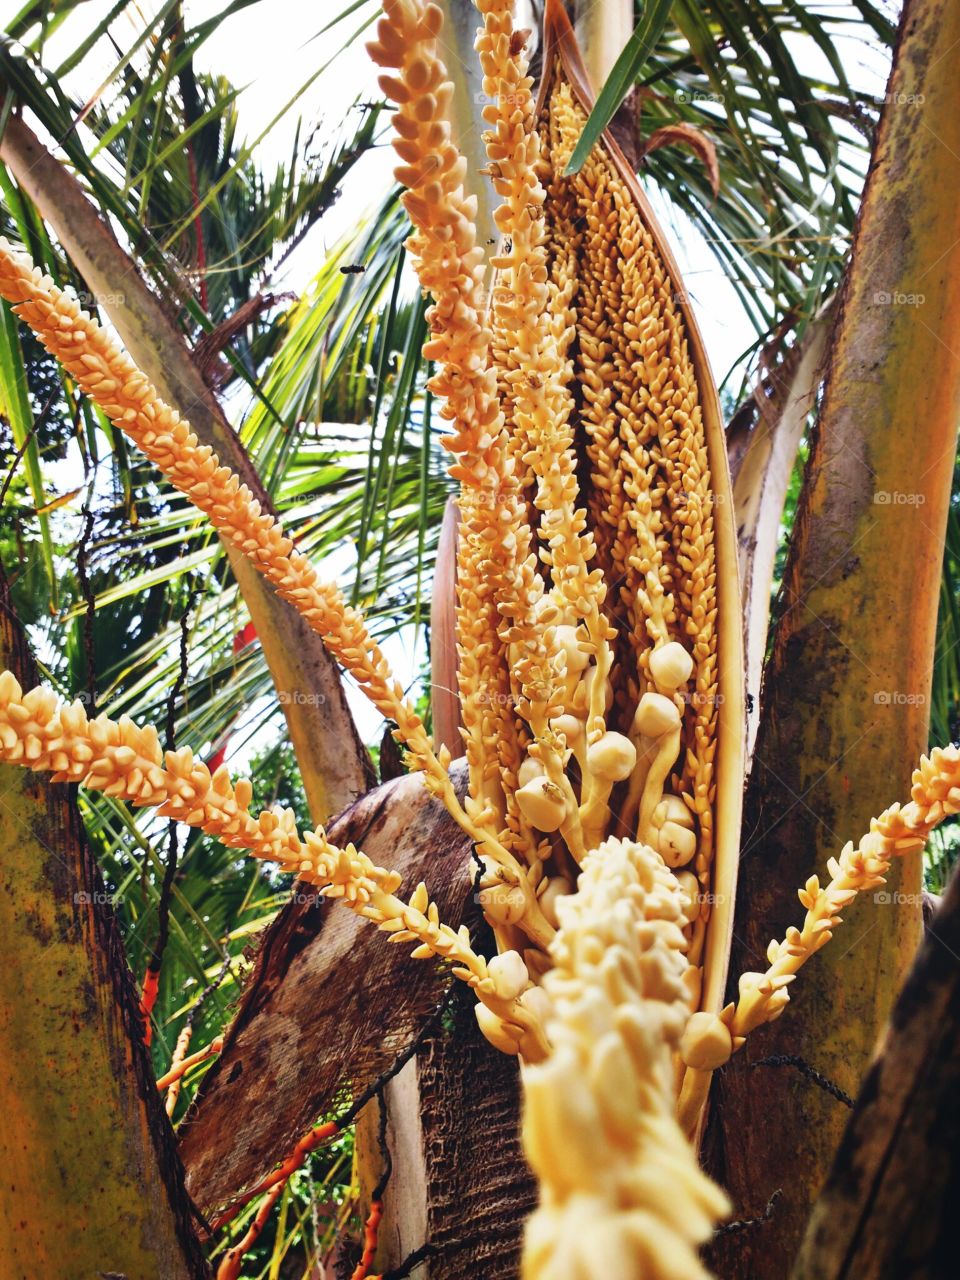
620, 1190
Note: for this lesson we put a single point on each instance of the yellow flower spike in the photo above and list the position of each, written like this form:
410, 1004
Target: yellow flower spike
217, 807
935, 795
110, 378
88, 353
598, 1128
534, 381
657, 497
493, 535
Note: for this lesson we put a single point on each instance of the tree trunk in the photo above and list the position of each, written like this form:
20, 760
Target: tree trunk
783, 400
92, 1184
888, 1210
459, 1182
844, 715
331, 991
333, 763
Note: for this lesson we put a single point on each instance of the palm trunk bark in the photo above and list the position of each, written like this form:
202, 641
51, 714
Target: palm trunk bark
760, 484
92, 1184
333, 762
329, 990
889, 1206
845, 695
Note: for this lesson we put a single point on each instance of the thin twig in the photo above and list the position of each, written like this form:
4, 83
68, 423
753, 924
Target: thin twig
173, 845
413, 1260
741, 1224
18, 457
209, 989
812, 1074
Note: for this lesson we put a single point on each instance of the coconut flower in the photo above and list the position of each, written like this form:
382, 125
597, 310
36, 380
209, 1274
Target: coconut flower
598, 629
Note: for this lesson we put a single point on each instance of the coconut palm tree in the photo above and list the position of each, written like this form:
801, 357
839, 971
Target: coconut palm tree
747, 124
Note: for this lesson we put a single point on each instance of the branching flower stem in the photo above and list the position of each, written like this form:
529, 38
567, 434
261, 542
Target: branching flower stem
122, 760
113, 382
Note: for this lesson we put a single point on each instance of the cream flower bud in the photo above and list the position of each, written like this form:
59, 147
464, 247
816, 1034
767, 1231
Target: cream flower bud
706, 1043
537, 1003
546, 611
613, 757
556, 887
750, 983
655, 715
542, 804
672, 809
569, 726
690, 888
504, 904
568, 641
496, 1031
777, 1003
529, 769
670, 666
675, 844
508, 974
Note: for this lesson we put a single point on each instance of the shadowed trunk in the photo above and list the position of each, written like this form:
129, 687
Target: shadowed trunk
762, 465
888, 1209
92, 1184
460, 23
459, 1181
333, 763
329, 990
602, 33
845, 696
